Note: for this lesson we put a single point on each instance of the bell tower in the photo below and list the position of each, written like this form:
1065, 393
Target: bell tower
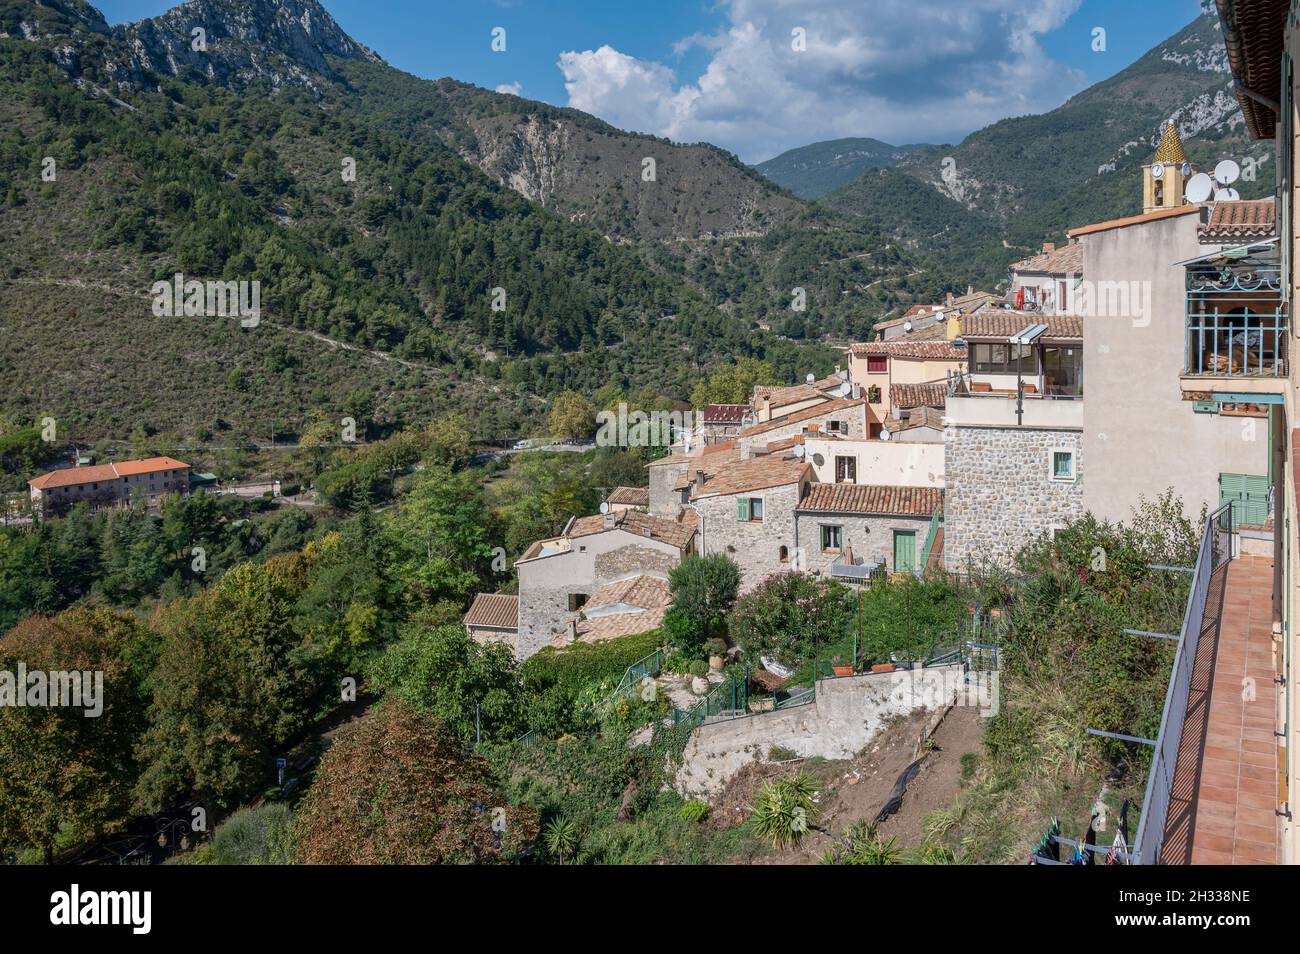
1164, 179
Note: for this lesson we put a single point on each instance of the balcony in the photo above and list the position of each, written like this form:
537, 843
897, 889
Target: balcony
1237, 325
975, 403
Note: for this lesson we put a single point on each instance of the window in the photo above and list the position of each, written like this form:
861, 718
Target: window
1063, 465
877, 363
1001, 359
749, 509
783, 554
836, 427
577, 601
831, 538
846, 470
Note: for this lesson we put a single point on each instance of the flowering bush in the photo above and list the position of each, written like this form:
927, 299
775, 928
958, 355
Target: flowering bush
787, 615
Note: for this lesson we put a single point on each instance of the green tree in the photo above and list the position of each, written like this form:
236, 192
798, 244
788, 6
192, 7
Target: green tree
703, 589
733, 383
67, 775
571, 416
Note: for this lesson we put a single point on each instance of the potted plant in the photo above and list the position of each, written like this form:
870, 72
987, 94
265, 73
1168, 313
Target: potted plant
699, 677
838, 667
717, 650
883, 667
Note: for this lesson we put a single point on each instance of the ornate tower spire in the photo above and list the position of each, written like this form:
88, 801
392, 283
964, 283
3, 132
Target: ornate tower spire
1164, 179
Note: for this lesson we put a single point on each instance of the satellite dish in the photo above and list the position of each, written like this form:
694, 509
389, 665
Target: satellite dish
1226, 172
884, 434
907, 326
845, 388
799, 451
844, 375
819, 460
604, 507
1226, 195
811, 378
1199, 187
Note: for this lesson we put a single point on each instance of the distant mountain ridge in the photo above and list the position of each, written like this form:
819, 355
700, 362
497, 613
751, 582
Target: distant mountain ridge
812, 171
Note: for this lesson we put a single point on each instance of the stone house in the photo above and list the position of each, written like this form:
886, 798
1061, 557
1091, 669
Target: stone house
558, 575
843, 417
493, 618
747, 512
861, 524
628, 498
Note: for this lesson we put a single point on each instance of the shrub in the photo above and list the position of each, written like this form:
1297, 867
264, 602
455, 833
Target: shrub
784, 809
554, 679
703, 588
255, 836
693, 811
699, 669
785, 616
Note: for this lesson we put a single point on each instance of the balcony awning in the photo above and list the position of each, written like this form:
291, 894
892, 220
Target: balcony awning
1028, 336
1231, 253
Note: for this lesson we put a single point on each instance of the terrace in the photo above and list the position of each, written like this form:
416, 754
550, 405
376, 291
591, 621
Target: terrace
1237, 324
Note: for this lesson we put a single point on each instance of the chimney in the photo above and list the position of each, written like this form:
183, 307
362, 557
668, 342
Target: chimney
1049, 247
970, 289
609, 520
699, 481
857, 392
948, 298
953, 331
746, 451
572, 630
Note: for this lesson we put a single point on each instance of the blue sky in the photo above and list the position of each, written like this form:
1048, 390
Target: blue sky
726, 71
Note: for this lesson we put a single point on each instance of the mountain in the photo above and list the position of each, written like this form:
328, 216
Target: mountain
488, 252
1025, 180
812, 171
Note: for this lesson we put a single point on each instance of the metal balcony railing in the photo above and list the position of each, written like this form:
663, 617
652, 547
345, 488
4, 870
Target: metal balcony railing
1237, 325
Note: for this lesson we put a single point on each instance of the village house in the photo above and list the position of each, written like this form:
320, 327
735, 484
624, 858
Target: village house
880, 528
899, 462
108, 485
746, 511
628, 498
626, 607
844, 417
1046, 282
902, 368
559, 575
493, 618
718, 422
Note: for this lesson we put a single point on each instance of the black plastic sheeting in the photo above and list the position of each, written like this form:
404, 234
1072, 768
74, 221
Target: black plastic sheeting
899, 790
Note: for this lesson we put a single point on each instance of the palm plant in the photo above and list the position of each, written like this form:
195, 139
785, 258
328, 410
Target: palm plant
784, 809
561, 838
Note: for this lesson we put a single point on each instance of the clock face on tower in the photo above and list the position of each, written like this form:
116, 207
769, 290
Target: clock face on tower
1186, 169
1157, 170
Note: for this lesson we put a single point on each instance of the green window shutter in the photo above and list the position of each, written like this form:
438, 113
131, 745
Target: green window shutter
742, 508
904, 551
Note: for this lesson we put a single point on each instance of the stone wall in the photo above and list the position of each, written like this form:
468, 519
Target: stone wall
854, 418
846, 715
632, 560
871, 537
999, 493
664, 501
754, 546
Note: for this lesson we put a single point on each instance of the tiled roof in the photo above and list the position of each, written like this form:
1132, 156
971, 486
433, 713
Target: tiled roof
677, 533
629, 496
909, 347
1253, 34
709, 463
868, 498
1134, 220
1067, 260
924, 416
498, 610
833, 406
725, 413
1004, 322
647, 592
768, 470
611, 627
780, 397
916, 395
1170, 149
76, 476
1243, 219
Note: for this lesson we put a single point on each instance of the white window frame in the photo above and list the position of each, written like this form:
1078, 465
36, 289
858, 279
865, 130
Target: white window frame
821, 537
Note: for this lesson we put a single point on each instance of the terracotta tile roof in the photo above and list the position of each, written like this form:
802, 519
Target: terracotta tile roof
780, 397
498, 610
1002, 323
629, 496
924, 416
974, 298
1244, 219
1253, 34
646, 592
869, 498
833, 406
1067, 260
76, 476
677, 533
709, 463
768, 470
916, 311
726, 413
611, 627
916, 395
909, 347
1133, 220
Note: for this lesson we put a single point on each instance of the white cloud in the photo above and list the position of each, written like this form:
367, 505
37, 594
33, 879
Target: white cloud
898, 70
514, 89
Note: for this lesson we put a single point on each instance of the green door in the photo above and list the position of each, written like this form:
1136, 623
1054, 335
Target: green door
1249, 495
904, 551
